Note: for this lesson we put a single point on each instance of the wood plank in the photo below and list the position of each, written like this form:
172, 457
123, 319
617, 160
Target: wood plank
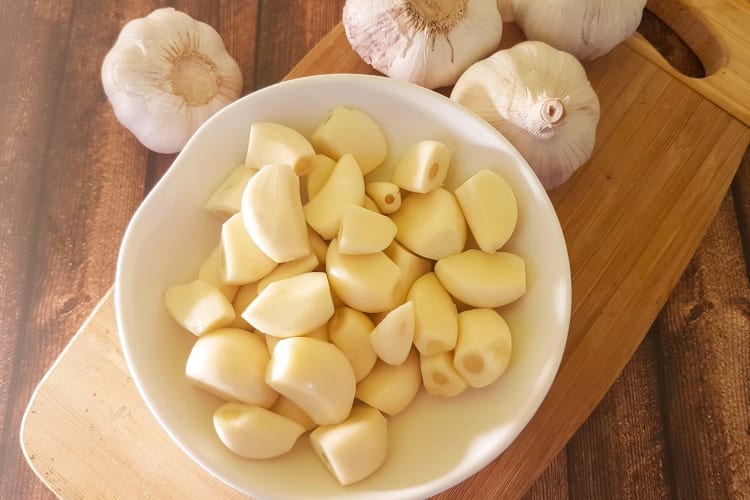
619, 451
705, 368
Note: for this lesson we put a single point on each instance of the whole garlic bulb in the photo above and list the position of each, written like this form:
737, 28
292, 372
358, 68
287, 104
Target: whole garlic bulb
427, 42
586, 28
540, 99
167, 74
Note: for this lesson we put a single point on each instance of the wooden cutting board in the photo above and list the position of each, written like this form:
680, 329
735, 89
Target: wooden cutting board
667, 149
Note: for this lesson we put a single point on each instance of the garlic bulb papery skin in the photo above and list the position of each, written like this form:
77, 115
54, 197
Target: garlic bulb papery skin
586, 28
167, 74
540, 99
427, 42
506, 10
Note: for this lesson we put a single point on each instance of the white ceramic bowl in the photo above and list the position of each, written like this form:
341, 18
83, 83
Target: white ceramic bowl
435, 443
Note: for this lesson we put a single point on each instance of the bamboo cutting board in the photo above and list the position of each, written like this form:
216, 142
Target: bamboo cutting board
667, 149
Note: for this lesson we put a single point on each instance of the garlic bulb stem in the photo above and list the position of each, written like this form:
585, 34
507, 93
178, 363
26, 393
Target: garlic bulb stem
193, 77
436, 16
552, 111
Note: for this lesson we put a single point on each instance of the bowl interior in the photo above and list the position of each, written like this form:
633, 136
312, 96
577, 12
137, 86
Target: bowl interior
436, 442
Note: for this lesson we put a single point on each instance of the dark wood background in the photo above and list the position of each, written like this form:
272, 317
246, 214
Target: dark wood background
676, 424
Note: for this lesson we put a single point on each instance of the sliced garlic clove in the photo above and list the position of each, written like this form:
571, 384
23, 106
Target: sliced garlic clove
245, 294
231, 363
292, 306
320, 171
355, 448
272, 212
423, 167
226, 199
289, 269
286, 408
198, 306
480, 279
240, 259
439, 376
345, 186
364, 282
391, 388
412, 267
275, 143
349, 330
431, 225
385, 195
435, 325
490, 209
295, 372
350, 131
210, 272
364, 232
254, 432
392, 337
483, 348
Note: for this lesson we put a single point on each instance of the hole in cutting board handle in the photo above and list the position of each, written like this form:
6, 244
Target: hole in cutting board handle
682, 38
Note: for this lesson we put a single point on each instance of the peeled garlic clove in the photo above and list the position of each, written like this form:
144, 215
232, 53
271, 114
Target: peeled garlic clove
226, 199
439, 376
289, 269
364, 282
540, 99
483, 348
480, 279
351, 131
385, 195
272, 213
345, 186
427, 42
286, 408
292, 306
412, 267
198, 306
240, 259
423, 167
431, 225
391, 388
369, 204
318, 246
320, 170
392, 337
355, 448
320, 333
167, 74
275, 143
210, 272
435, 323
600, 24
364, 232
254, 432
490, 208
231, 364
349, 330
326, 395
245, 294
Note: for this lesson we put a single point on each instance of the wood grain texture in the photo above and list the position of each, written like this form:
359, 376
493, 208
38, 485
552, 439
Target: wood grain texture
677, 355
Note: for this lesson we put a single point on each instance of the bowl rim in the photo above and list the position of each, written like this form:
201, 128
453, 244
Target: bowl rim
554, 362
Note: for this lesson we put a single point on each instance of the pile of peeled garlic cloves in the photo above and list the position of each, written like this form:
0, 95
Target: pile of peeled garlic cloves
536, 93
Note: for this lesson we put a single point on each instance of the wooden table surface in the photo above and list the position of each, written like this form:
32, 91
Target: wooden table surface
675, 424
